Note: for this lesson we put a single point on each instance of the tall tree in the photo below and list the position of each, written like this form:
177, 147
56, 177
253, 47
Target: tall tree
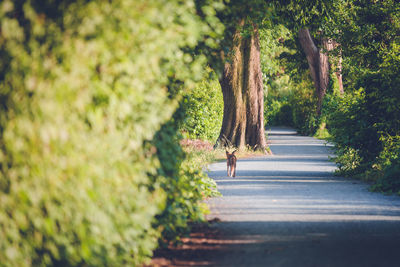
241, 80
243, 92
306, 17
369, 37
318, 63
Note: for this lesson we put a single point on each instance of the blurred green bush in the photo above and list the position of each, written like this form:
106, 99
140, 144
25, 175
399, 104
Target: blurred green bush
204, 107
181, 176
84, 88
365, 127
365, 122
297, 110
304, 105
290, 99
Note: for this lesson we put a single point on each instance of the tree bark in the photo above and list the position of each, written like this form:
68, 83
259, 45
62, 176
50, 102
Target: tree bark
318, 62
334, 63
337, 66
339, 75
243, 93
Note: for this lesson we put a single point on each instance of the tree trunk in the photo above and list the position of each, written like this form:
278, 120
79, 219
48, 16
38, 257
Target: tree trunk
318, 63
337, 66
339, 75
334, 63
243, 93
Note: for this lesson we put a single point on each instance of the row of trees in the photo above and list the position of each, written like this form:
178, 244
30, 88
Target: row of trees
350, 51
365, 122
320, 65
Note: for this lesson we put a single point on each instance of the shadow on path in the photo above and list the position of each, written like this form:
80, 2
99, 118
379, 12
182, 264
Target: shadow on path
288, 244
290, 210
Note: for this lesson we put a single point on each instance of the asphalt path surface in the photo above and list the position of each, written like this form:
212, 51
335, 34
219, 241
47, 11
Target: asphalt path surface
289, 209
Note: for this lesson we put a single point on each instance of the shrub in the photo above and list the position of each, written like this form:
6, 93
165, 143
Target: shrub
390, 182
303, 102
387, 166
204, 108
83, 89
181, 176
367, 141
347, 129
358, 120
367, 119
285, 115
271, 110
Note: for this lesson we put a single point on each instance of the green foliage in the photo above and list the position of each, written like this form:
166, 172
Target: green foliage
390, 182
386, 169
295, 107
277, 84
203, 107
304, 105
390, 151
271, 110
84, 87
364, 127
322, 132
237, 14
272, 45
344, 118
366, 30
365, 123
182, 177
290, 100
312, 13
285, 115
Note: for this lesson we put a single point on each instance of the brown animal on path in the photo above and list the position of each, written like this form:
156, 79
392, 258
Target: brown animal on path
231, 163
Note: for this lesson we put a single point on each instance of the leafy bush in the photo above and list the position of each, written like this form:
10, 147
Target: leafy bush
367, 142
285, 115
204, 108
182, 177
290, 100
276, 81
387, 167
83, 86
346, 128
271, 110
359, 120
303, 102
365, 123
390, 151
390, 182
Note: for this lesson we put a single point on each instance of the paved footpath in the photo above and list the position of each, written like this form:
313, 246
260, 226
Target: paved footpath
290, 210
